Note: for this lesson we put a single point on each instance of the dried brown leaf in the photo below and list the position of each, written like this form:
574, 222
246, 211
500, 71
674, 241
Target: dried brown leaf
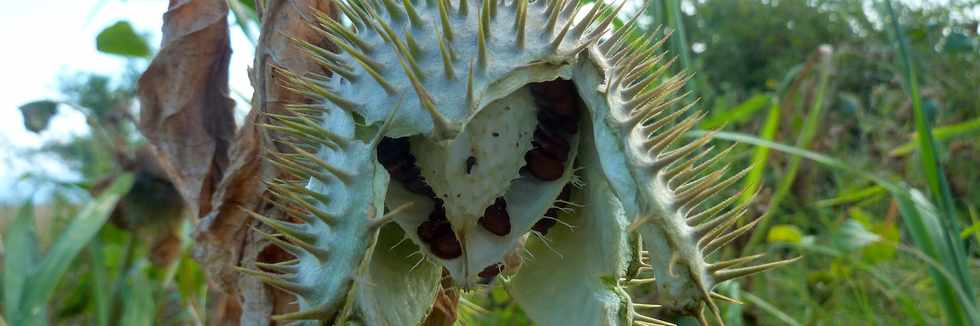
185, 110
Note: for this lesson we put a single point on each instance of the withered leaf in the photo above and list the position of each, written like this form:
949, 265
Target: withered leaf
185, 110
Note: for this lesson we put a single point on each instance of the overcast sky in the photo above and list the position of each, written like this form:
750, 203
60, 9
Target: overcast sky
50, 39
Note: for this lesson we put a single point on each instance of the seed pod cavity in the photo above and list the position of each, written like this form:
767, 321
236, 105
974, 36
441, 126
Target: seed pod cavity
478, 178
579, 267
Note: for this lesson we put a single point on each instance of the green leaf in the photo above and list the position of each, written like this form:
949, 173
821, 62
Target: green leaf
20, 243
785, 233
121, 39
38, 114
973, 229
76, 236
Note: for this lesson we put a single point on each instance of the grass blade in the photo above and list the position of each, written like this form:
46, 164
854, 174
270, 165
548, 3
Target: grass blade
958, 130
951, 253
772, 310
924, 225
139, 307
76, 236
732, 313
851, 196
741, 112
20, 255
100, 283
761, 155
675, 19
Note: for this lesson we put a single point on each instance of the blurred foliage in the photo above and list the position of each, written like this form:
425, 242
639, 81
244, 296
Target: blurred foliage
137, 270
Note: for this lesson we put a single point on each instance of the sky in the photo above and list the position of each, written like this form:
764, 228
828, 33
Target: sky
47, 40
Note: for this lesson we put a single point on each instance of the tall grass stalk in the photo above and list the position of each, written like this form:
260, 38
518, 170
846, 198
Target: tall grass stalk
943, 244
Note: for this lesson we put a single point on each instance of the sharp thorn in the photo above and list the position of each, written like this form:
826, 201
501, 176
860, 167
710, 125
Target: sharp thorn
447, 27
732, 273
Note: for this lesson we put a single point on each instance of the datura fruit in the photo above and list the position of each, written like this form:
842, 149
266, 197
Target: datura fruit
488, 129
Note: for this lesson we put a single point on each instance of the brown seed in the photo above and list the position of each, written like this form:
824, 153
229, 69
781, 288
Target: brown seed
438, 212
553, 145
495, 218
446, 246
391, 150
419, 187
566, 108
544, 224
491, 271
555, 122
542, 166
552, 90
403, 171
427, 231
565, 195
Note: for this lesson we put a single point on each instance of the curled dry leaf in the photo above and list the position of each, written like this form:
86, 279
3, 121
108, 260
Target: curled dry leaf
185, 110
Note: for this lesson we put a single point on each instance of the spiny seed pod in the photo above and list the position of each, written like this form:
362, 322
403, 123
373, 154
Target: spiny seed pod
473, 120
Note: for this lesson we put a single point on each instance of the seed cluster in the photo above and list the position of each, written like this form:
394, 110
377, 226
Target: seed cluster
395, 155
558, 114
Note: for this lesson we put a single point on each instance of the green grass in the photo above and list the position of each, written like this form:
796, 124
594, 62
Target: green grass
29, 278
941, 243
922, 221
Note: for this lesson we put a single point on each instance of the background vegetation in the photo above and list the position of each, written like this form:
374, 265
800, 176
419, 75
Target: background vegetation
860, 117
